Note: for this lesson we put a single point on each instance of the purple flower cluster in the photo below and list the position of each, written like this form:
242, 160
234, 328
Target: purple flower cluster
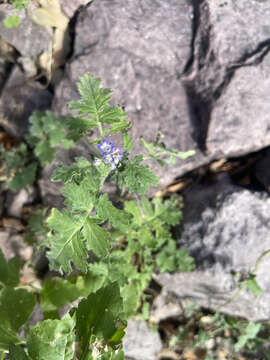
111, 153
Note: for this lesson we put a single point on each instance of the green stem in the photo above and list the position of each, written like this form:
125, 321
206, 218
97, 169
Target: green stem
100, 129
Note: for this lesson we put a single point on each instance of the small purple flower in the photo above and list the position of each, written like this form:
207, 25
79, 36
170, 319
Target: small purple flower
111, 154
108, 158
106, 147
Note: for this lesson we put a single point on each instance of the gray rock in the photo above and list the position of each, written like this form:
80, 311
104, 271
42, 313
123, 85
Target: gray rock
12, 245
16, 201
165, 306
226, 229
140, 343
238, 28
122, 42
29, 39
239, 121
19, 99
70, 7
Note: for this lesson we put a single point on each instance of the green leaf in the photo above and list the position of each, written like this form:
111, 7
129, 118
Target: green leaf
93, 97
118, 126
66, 243
73, 235
97, 238
17, 353
56, 293
99, 314
77, 171
78, 197
12, 21
7, 337
118, 218
127, 141
23, 177
19, 4
47, 133
251, 332
52, 340
136, 177
93, 280
253, 286
14, 266
132, 208
16, 306
3, 268
94, 102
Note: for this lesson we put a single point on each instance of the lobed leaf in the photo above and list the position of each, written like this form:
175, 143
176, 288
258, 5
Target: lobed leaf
136, 177
52, 340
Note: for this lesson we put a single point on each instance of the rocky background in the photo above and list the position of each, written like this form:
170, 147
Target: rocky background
195, 70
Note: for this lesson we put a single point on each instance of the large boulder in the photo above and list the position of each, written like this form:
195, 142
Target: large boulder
139, 49
226, 229
240, 123
29, 39
19, 98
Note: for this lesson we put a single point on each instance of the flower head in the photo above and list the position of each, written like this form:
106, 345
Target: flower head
106, 147
111, 154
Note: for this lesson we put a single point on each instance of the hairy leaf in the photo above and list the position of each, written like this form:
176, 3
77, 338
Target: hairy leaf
52, 340
117, 218
56, 293
136, 177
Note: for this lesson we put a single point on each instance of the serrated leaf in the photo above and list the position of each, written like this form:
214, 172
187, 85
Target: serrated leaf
117, 218
52, 340
127, 141
78, 197
56, 293
118, 126
136, 177
93, 97
12, 21
72, 237
17, 353
23, 177
132, 208
66, 244
98, 315
77, 171
97, 238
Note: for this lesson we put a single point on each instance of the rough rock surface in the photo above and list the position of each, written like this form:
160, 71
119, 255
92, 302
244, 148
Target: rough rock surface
240, 120
239, 28
70, 7
29, 39
140, 343
226, 231
130, 62
19, 99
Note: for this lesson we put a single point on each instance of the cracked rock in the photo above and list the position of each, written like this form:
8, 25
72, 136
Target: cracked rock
237, 28
19, 99
226, 232
240, 121
29, 39
139, 49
